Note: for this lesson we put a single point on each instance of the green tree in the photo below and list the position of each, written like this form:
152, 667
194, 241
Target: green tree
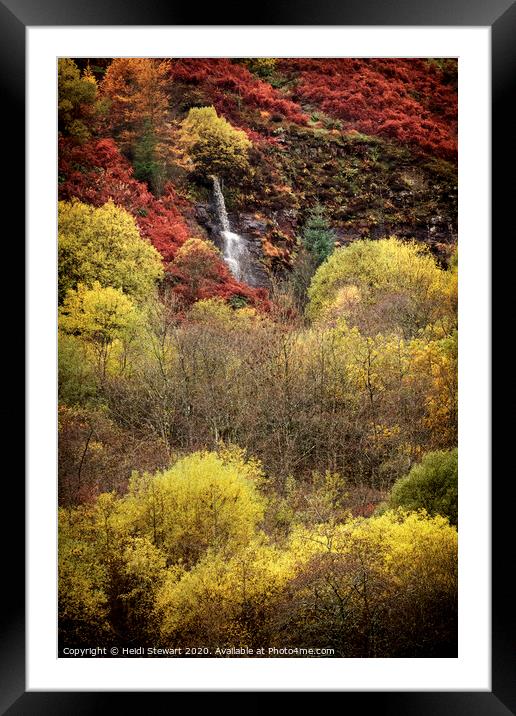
213, 145
104, 244
77, 96
317, 236
430, 485
147, 164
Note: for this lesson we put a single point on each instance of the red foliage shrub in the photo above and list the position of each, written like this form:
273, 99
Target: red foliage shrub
405, 99
164, 225
96, 172
223, 285
199, 272
229, 86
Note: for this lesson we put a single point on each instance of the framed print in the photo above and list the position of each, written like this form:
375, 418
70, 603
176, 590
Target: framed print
258, 306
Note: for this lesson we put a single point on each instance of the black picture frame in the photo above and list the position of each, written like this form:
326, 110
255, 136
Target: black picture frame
500, 16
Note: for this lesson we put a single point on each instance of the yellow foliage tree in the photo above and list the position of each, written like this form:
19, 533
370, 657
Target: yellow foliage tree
108, 577
382, 286
225, 602
76, 99
434, 368
103, 244
203, 502
381, 586
100, 316
213, 145
83, 582
218, 313
373, 587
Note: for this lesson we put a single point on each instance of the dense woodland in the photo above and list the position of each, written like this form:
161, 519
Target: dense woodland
265, 459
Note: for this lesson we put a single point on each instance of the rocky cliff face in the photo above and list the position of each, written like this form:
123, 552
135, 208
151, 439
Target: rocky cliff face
370, 187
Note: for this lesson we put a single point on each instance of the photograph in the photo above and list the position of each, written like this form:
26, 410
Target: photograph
257, 329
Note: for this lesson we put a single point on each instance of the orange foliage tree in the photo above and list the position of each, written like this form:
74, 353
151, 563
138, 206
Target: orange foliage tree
136, 89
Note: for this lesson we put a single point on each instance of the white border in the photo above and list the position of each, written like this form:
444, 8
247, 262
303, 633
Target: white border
471, 670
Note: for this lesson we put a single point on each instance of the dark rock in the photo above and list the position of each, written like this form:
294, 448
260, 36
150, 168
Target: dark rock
205, 217
250, 224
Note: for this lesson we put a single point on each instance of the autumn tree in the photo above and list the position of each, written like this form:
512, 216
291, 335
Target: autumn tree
199, 263
213, 145
103, 244
138, 110
107, 576
82, 599
385, 285
100, 316
137, 91
224, 599
434, 377
385, 586
77, 94
317, 235
205, 501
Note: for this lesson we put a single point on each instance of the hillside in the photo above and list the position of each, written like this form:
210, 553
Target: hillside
258, 333
374, 141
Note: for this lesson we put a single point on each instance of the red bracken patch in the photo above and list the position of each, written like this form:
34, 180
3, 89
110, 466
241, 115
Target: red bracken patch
96, 172
229, 86
404, 99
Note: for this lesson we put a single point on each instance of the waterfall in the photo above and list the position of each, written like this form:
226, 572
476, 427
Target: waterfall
220, 205
235, 251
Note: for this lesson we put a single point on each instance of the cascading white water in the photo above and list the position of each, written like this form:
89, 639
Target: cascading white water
220, 204
235, 251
